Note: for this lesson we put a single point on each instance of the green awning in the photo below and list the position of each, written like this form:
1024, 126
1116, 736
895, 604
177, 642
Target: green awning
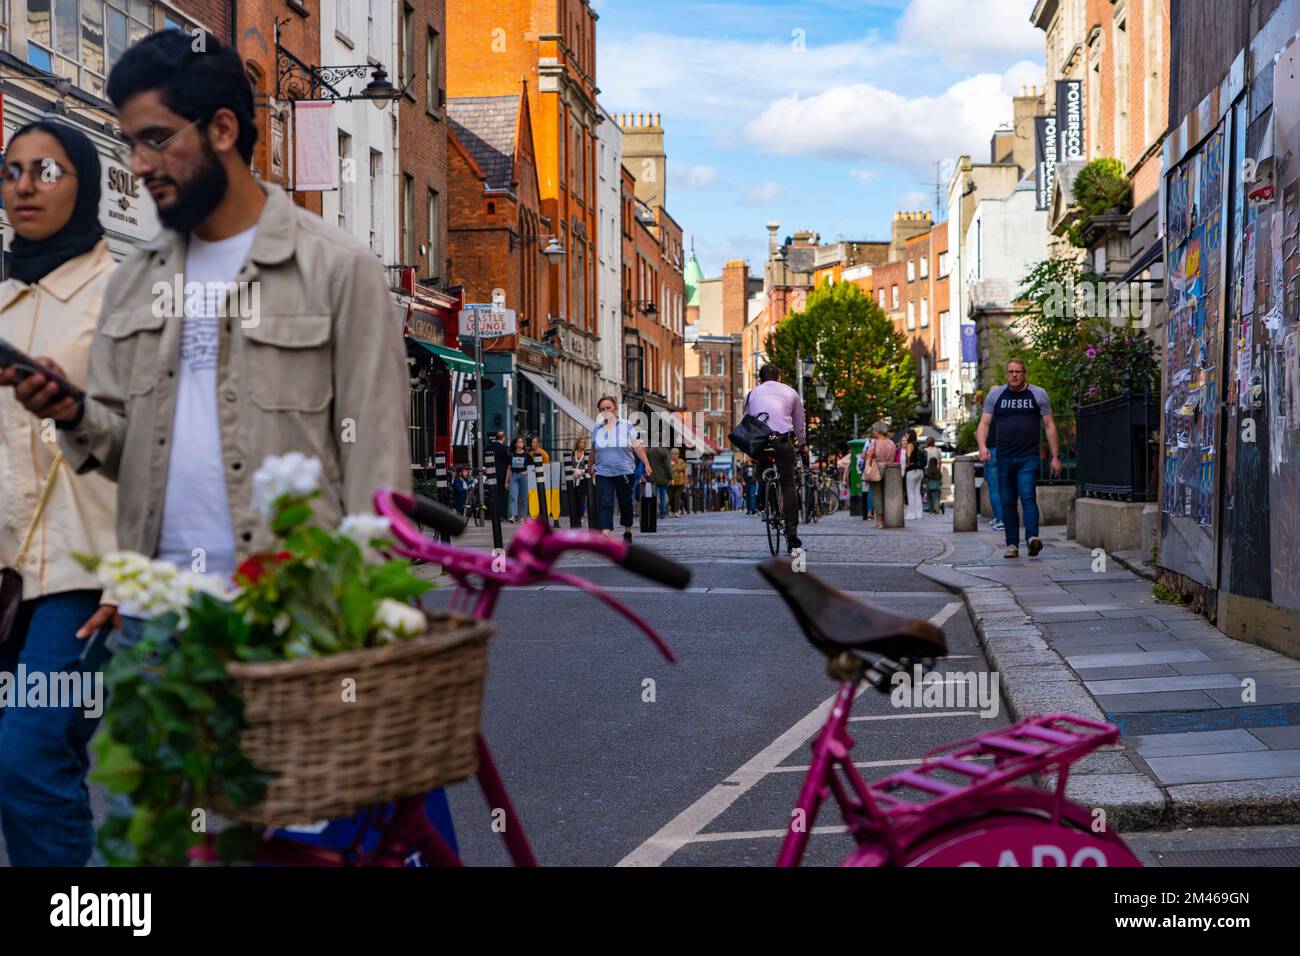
455, 360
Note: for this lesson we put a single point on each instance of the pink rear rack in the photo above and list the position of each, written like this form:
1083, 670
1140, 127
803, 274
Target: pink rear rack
1033, 745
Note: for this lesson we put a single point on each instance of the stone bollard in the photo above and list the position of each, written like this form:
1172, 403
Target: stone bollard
965, 499
893, 491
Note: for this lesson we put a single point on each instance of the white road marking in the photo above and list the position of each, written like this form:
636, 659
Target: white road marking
932, 713
759, 834
940, 619
860, 764
687, 826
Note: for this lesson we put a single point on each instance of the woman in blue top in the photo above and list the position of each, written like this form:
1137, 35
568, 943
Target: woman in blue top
615, 448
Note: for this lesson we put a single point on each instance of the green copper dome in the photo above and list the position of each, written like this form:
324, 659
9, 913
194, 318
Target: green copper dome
693, 276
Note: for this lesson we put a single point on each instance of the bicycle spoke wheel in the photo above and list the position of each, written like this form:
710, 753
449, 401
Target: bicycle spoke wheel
772, 515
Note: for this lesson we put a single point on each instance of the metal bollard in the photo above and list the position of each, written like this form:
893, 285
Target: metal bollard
965, 498
570, 494
892, 474
488, 488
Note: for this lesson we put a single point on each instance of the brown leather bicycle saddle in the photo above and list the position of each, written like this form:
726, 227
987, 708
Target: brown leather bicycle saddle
833, 621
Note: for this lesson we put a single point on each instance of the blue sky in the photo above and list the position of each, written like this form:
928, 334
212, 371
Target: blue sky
824, 114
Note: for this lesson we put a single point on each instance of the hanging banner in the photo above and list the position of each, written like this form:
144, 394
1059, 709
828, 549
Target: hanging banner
1069, 120
969, 347
1045, 153
313, 146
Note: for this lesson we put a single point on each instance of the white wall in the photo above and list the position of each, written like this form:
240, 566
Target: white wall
609, 244
1006, 237
370, 129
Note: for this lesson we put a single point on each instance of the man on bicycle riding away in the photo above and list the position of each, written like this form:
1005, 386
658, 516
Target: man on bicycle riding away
785, 417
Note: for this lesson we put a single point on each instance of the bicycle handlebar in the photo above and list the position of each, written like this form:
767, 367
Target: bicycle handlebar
654, 566
427, 511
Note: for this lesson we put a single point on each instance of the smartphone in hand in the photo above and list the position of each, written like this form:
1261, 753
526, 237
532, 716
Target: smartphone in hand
24, 365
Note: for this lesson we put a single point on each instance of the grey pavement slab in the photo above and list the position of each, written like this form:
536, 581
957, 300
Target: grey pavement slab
1176, 655
1070, 607
1220, 767
1278, 738
1168, 700
1195, 742
1264, 694
1148, 685
1117, 673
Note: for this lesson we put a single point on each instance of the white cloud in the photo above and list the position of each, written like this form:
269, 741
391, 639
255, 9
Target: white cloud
766, 193
863, 121
864, 176
691, 176
972, 34
915, 200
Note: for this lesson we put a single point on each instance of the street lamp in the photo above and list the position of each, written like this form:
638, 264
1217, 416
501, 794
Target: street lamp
554, 252
821, 391
319, 81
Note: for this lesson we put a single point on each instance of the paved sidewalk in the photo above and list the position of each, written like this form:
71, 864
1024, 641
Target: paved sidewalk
1211, 725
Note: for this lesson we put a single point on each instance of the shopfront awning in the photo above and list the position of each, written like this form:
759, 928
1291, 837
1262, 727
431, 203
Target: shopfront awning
560, 402
456, 361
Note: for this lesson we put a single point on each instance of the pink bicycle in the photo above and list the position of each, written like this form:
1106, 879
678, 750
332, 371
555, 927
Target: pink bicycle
960, 806
402, 832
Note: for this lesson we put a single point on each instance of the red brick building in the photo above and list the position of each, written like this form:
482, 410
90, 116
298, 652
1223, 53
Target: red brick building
552, 45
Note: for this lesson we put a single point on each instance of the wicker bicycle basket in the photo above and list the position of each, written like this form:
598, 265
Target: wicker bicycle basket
407, 723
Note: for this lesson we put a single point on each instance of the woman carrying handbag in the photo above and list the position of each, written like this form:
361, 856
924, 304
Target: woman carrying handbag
58, 265
882, 452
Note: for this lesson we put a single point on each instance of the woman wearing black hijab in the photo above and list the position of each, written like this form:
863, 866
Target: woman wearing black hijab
55, 272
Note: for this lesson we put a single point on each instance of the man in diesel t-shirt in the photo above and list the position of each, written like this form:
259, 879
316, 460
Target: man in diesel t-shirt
1017, 408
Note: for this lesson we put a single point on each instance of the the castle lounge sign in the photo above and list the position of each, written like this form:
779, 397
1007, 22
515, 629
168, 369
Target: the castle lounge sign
125, 206
1069, 119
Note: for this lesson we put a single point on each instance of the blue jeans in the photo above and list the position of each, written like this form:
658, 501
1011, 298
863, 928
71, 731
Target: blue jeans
44, 803
662, 491
991, 479
1018, 477
519, 495
608, 488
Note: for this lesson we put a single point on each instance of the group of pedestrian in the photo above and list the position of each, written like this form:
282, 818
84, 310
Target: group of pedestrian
176, 401
922, 473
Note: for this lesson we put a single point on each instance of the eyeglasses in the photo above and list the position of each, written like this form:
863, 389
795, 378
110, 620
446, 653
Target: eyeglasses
45, 173
153, 147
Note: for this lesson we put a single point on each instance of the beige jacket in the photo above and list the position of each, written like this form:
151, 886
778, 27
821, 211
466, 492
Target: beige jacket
56, 318
318, 368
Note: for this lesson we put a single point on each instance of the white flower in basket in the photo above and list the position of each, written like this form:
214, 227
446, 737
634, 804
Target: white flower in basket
280, 475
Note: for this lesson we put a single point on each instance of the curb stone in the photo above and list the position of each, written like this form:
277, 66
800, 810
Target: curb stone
1035, 679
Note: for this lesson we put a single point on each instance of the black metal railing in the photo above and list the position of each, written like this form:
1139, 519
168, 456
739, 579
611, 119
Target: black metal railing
1117, 444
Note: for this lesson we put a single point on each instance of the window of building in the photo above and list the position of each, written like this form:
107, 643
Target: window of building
895, 297
708, 399
377, 202
722, 399
432, 70
943, 332
943, 264
911, 314
81, 40
1121, 85
372, 27
1093, 103
342, 19
407, 52
434, 214
1152, 19
925, 312
882, 298
408, 219
347, 173
911, 270
924, 263
722, 365
707, 367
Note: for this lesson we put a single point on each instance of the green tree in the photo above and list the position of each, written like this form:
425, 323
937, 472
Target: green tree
865, 364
